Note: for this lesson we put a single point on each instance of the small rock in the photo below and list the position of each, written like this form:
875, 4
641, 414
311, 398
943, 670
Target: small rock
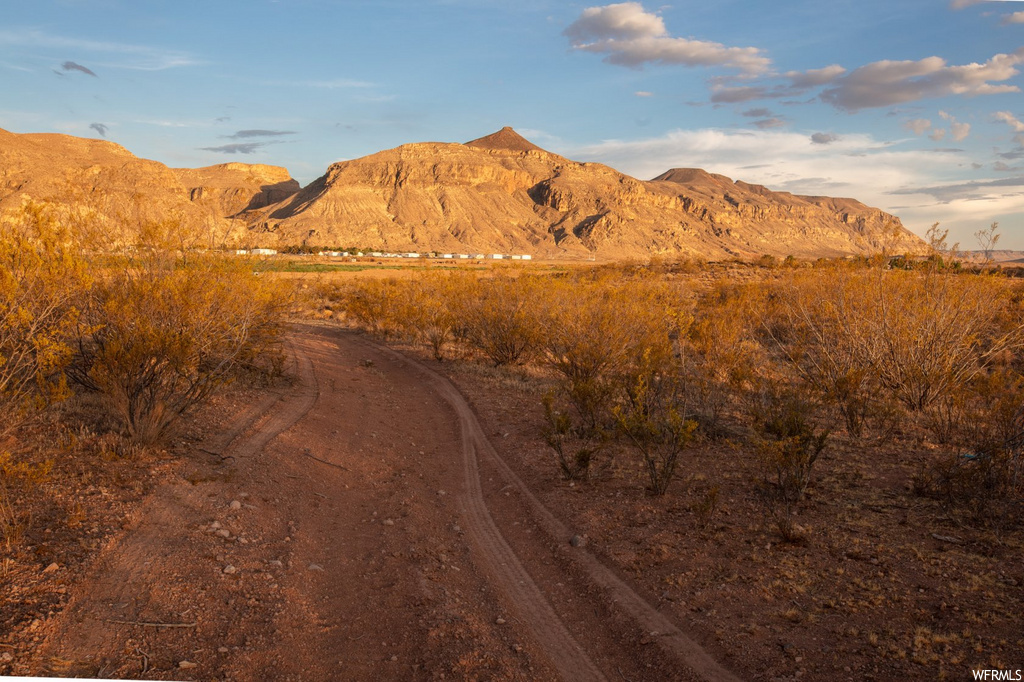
316, 567
577, 541
394, 658
229, 569
500, 621
6, 657
185, 665
235, 505
388, 522
276, 563
222, 650
224, 532
215, 525
51, 568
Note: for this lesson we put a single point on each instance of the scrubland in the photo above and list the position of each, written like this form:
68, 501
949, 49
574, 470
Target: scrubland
101, 357
818, 464
816, 467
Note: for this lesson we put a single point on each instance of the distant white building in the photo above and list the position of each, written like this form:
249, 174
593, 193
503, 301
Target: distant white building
447, 255
527, 256
463, 255
410, 255
515, 257
264, 252
480, 256
241, 252
497, 256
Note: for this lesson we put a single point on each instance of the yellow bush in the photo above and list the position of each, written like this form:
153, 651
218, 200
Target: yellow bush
42, 279
168, 330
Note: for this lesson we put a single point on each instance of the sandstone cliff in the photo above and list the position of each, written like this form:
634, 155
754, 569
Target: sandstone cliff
121, 191
501, 193
498, 193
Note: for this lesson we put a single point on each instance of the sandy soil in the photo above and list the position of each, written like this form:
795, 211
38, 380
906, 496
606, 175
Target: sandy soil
356, 525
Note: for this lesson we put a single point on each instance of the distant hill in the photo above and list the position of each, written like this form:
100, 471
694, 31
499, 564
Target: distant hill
498, 193
124, 191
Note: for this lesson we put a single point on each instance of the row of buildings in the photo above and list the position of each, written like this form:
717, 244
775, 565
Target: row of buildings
382, 254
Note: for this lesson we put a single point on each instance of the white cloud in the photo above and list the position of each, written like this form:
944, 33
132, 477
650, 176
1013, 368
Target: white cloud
813, 78
938, 134
917, 125
643, 93
1010, 120
631, 36
853, 165
885, 83
957, 131
1014, 18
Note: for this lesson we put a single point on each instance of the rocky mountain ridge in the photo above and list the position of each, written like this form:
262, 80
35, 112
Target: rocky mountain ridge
499, 193
122, 191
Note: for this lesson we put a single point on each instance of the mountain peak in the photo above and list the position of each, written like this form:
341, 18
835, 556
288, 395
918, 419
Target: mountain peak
505, 139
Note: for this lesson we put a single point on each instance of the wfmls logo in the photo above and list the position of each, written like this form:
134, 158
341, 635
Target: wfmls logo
998, 674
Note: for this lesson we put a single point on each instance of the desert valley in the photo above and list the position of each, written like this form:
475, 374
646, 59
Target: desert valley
708, 431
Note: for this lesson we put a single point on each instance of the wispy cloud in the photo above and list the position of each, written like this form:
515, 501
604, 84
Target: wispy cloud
137, 57
100, 128
236, 148
72, 66
242, 134
329, 84
631, 36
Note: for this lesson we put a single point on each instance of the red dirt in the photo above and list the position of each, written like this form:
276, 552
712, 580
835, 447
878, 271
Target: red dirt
358, 525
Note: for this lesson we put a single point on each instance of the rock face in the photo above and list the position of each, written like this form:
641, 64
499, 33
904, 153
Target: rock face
122, 191
501, 193
231, 188
495, 194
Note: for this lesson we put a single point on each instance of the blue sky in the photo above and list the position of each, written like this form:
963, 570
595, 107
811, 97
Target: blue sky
915, 106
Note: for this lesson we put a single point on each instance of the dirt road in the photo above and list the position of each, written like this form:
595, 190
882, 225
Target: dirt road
358, 525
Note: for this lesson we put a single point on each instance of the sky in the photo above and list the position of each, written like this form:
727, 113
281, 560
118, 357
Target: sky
915, 106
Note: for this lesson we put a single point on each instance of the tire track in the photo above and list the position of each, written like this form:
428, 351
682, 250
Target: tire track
563, 650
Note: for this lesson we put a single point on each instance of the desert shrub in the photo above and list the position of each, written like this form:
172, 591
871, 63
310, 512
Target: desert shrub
927, 336
430, 309
503, 317
163, 332
595, 331
719, 350
788, 443
982, 478
705, 506
376, 306
654, 416
42, 280
574, 442
813, 321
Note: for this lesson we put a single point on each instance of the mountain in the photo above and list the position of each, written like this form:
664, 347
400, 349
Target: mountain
501, 193
496, 194
123, 191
